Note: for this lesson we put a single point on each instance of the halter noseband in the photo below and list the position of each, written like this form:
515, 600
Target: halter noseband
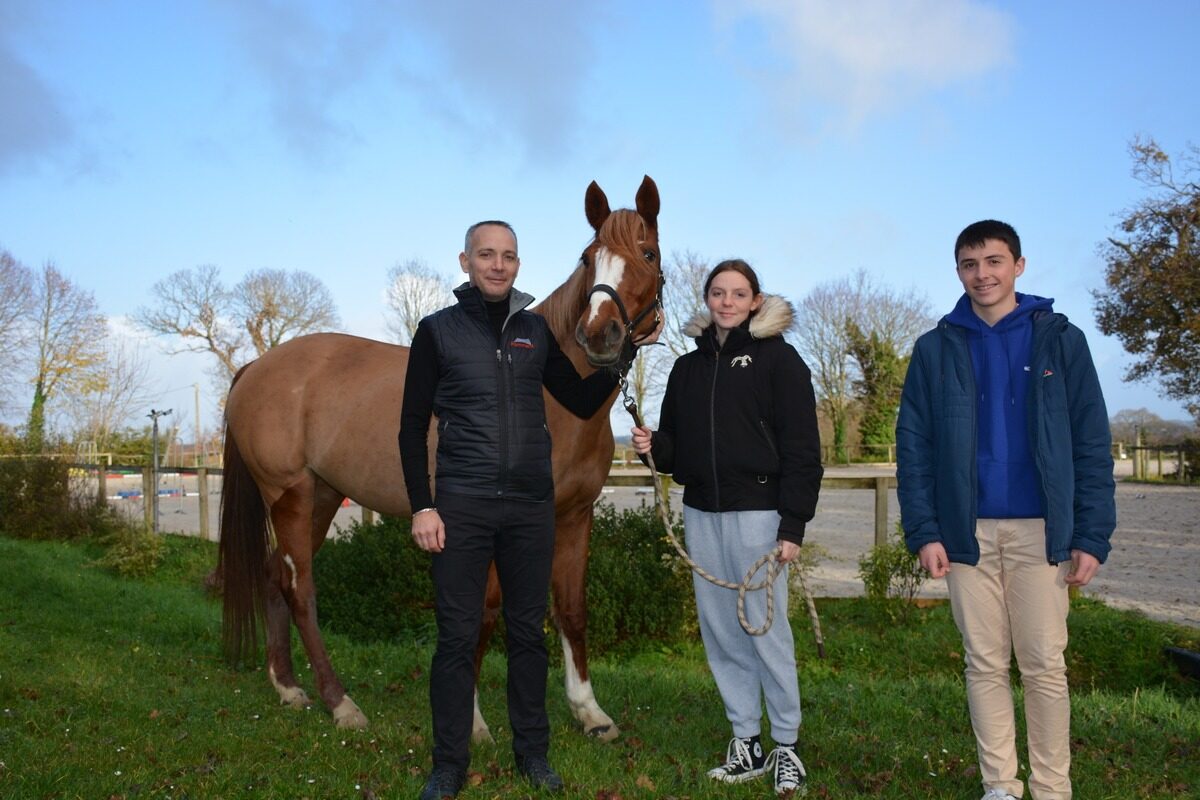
629, 345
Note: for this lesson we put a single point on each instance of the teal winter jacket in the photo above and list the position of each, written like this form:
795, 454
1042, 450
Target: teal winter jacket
1068, 432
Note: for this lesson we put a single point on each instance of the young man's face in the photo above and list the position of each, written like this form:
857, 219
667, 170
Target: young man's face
989, 276
492, 263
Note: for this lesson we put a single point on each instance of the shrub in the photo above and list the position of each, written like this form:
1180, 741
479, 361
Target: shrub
132, 550
373, 583
637, 587
892, 575
37, 501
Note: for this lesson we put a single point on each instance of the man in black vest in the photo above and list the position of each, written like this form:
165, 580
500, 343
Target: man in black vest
480, 365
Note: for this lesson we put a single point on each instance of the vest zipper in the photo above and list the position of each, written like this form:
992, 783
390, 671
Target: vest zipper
502, 402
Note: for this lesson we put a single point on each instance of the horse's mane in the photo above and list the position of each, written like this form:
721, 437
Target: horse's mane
564, 305
624, 230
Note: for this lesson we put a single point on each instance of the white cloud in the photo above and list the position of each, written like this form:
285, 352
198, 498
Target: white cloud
864, 58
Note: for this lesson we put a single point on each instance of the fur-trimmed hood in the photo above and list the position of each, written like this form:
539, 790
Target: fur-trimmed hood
774, 317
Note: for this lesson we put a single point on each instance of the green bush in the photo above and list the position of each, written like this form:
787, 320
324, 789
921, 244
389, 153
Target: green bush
892, 575
373, 583
37, 501
637, 587
132, 550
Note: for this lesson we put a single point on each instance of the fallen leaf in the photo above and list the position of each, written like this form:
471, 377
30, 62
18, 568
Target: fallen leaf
643, 782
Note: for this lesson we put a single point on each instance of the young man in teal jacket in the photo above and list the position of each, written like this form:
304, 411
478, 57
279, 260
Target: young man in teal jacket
1006, 489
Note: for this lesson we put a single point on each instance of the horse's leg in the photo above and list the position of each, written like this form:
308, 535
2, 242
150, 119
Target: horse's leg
491, 612
326, 502
570, 613
294, 515
279, 638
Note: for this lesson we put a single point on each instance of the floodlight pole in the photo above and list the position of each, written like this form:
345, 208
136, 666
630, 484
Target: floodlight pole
154, 415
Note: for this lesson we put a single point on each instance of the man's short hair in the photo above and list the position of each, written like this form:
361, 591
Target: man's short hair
975, 234
471, 232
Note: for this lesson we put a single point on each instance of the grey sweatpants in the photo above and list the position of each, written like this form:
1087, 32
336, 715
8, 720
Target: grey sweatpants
746, 668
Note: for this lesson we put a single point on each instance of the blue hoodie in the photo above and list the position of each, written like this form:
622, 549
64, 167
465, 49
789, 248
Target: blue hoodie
1008, 485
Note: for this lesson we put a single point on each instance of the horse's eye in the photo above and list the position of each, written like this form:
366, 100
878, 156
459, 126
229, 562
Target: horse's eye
650, 255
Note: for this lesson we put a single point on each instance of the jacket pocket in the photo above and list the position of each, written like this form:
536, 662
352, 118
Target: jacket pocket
772, 447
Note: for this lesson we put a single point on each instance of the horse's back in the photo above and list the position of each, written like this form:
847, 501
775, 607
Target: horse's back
328, 403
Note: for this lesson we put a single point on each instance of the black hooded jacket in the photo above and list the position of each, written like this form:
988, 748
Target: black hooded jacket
738, 426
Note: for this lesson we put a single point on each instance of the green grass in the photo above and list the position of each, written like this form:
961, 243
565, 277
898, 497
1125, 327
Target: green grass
112, 687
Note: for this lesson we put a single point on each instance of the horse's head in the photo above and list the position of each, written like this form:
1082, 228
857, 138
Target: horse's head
623, 270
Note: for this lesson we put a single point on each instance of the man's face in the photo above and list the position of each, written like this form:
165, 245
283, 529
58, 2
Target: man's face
989, 276
492, 263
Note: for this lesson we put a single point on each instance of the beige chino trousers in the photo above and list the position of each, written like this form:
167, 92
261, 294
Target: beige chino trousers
1014, 600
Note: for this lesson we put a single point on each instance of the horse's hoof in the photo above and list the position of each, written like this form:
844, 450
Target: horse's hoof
347, 715
605, 733
295, 697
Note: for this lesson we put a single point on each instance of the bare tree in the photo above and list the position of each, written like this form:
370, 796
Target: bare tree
414, 292
265, 309
195, 306
683, 297
275, 305
16, 307
821, 335
69, 334
111, 396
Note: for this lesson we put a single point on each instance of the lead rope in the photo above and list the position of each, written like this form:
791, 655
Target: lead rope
746, 585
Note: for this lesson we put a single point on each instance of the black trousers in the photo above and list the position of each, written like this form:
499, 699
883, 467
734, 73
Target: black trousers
519, 536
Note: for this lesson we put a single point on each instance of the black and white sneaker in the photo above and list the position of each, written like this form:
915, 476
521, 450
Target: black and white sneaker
789, 772
744, 761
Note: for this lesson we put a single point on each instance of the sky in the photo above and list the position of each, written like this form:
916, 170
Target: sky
813, 138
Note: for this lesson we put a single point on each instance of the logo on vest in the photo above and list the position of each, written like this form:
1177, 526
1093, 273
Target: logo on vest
522, 343
740, 361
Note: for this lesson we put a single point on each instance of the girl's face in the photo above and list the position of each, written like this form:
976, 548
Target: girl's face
731, 300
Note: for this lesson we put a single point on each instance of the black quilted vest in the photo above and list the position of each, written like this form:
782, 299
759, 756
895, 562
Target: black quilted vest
492, 435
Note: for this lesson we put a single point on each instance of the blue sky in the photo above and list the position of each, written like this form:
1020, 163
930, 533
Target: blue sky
811, 137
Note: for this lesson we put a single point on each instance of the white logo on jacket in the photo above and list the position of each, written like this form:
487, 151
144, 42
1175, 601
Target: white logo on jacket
740, 361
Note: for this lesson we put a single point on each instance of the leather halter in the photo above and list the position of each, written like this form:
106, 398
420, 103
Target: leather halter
629, 344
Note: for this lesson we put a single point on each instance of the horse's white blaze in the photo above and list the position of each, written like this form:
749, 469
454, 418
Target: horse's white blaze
610, 269
479, 728
583, 701
287, 559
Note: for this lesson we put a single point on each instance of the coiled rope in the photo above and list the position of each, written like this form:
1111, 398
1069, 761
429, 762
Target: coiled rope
770, 559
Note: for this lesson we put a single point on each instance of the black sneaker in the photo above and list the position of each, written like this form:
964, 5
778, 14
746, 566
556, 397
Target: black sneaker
789, 772
744, 761
443, 782
539, 773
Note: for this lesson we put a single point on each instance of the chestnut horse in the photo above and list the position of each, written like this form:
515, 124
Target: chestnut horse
315, 420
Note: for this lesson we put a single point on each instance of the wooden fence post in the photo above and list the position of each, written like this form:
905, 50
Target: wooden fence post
881, 510
149, 490
202, 496
102, 485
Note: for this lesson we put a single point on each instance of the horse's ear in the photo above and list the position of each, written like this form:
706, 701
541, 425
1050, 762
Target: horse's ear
647, 201
595, 204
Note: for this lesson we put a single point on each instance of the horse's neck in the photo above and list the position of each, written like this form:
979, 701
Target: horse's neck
562, 309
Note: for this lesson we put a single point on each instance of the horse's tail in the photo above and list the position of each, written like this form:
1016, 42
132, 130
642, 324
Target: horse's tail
242, 557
